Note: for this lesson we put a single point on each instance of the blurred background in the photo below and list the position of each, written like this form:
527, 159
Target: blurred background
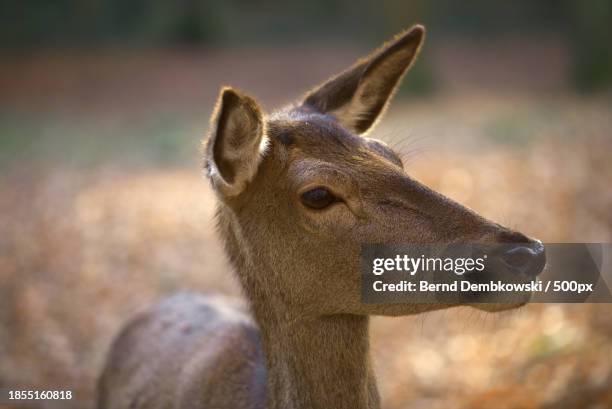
103, 209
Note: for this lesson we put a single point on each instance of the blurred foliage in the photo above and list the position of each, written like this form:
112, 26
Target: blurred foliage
34, 24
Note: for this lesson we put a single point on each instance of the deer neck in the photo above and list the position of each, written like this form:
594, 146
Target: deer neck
314, 362
319, 363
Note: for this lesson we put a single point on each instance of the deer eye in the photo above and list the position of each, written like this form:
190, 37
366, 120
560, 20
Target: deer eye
318, 198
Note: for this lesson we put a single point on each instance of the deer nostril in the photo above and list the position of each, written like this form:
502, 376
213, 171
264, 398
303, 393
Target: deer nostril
528, 258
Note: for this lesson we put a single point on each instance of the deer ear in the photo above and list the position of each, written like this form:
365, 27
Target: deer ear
358, 96
236, 144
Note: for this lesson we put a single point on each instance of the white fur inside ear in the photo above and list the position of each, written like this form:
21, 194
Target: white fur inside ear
264, 145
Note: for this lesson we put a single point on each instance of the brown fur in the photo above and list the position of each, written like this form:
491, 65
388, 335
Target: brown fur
298, 267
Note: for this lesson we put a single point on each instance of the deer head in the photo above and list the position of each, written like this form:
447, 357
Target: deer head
302, 189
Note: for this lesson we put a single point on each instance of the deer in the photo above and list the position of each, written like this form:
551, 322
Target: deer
298, 193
